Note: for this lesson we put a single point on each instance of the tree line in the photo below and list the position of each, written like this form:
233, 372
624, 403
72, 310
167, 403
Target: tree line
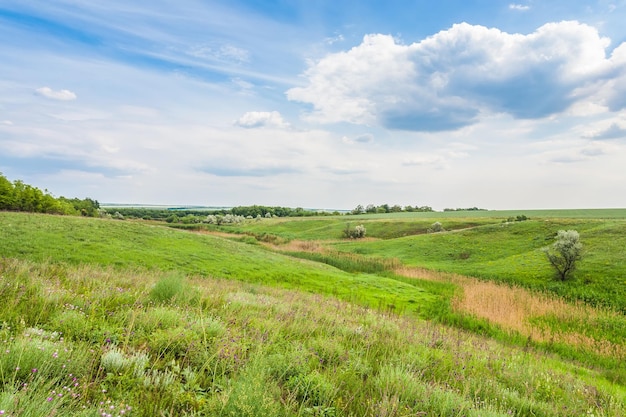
19, 196
386, 208
178, 215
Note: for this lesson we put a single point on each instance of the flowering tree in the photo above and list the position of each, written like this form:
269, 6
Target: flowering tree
565, 253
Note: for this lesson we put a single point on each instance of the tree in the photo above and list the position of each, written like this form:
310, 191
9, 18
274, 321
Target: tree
565, 253
358, 210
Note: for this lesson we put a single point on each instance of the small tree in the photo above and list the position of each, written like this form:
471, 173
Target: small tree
565, 253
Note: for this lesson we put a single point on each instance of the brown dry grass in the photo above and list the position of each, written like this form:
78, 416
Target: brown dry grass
516, 309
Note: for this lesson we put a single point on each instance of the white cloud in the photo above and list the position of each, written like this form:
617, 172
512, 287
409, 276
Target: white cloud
435, 161
520, 7
614, 131
223, 53
7, 123
62, 95
365, 138
253, 119
334, 39
455, 77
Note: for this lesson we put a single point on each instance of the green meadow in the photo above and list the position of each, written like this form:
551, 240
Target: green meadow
284, 317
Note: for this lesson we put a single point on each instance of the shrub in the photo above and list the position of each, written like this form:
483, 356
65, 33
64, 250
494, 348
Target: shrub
356, 233
173, 288
436, 227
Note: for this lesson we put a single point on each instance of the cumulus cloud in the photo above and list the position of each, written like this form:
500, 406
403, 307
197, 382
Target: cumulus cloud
62, 95
448, 80
254, 119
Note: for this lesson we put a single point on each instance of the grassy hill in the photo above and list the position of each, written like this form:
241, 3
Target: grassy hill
129, 318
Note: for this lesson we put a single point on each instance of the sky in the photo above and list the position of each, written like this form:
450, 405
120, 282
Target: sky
317, 103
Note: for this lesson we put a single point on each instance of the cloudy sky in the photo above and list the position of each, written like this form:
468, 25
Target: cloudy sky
321, 104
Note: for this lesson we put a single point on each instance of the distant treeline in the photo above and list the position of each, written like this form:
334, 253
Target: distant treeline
465, 209
177, 214
18, 196
386, 208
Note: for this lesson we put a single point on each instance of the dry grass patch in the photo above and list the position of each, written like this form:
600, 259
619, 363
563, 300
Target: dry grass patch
520, 310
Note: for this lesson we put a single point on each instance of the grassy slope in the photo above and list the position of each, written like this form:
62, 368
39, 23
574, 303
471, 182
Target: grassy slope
383, 227
152, 344
487, 249
128, 244
429, 368
512, 253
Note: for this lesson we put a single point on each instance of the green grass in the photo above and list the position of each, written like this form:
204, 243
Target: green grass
133, 245
241, 349
168, 322
328, 228
512, 253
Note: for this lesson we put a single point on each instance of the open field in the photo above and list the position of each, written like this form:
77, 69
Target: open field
110, 316
480, 244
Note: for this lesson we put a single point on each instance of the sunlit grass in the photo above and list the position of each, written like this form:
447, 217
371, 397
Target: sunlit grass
244, 349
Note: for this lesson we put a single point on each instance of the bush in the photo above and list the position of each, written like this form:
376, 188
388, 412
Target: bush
173, 288
356, 233
436, 227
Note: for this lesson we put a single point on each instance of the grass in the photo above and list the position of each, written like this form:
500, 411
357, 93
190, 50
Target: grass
154, 321
133, 245
241, 349
512, 253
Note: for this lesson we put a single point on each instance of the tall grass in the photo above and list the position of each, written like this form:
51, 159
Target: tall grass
248, 350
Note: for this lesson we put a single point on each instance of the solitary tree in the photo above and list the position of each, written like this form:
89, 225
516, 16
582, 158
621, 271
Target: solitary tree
565, 253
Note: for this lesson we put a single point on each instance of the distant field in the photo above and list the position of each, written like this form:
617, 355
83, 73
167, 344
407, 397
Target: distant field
612, 213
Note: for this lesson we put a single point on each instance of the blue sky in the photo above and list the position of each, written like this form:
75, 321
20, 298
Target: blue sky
495, 104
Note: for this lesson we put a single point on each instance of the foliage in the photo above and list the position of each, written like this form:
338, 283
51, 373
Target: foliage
465, 209
565, 253
19, 196
186, 215
518, 218
357, 233
386, 208
436, 228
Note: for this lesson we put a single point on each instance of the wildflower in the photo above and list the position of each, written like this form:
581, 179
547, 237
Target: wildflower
34, 370
49, 399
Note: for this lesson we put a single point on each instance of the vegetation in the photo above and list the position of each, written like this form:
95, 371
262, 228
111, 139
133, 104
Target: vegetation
385, 208
565, 253
190, 215
86, 340
18, 196
357, 233
285, 318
